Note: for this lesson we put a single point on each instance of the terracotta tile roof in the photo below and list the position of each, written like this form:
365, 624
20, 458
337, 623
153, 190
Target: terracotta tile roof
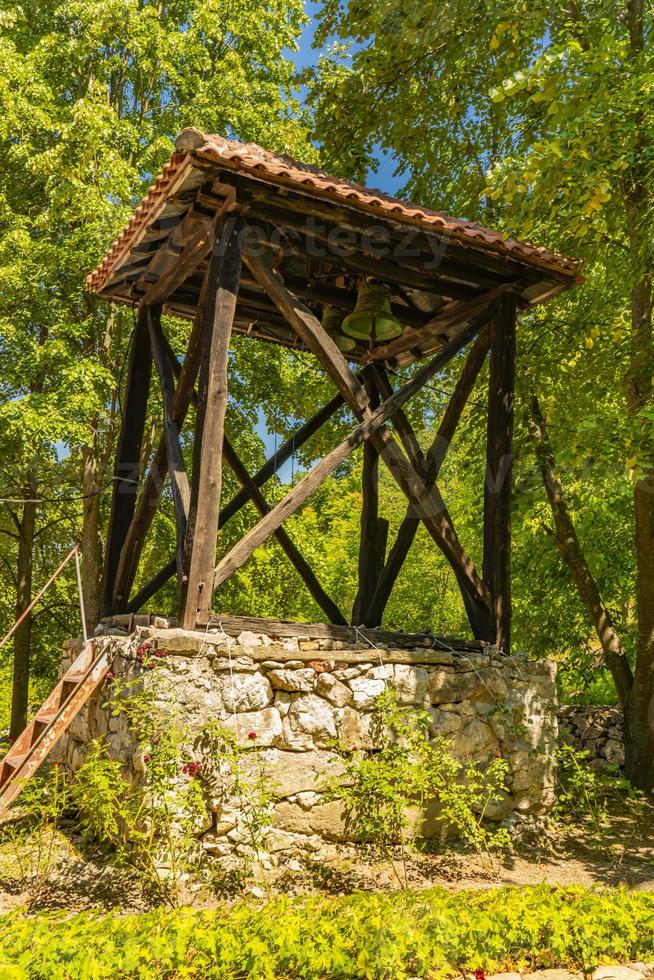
250, 158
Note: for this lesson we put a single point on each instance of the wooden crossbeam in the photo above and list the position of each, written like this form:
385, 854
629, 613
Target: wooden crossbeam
372, 538
175, 457
434, 460
202, 526
302, 567
445, 321
499, 464
428, 504
128, 457
240, 499
373, 423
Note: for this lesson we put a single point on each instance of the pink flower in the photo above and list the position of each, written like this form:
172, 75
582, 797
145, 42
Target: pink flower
252, 736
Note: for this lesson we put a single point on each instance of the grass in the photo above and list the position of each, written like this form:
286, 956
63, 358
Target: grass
429, 934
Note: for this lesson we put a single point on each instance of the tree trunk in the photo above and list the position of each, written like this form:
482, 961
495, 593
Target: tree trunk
574, 558
23, 635
92, 474
639, 718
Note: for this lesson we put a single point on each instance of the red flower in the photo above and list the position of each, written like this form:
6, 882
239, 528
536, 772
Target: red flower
160, 653
479, 974
498, 755
252, 735
109, 676
146, 758
192, 769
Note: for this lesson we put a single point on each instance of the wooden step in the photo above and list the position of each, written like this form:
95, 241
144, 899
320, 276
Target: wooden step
39, 738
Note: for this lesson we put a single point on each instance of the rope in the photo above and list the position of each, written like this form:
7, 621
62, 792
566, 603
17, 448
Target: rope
462, 656
78, 574
58, 500
25, 613
373, 645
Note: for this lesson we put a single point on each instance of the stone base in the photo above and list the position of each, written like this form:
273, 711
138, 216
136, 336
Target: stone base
288, 702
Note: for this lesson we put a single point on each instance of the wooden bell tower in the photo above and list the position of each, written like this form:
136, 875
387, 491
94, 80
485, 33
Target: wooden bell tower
230, 237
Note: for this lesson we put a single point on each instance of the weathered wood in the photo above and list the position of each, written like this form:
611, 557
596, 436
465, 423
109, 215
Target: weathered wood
453, 260
499, 464
308, 328
202, 526
368, 567
302, 567
240, 499
128, 456
447, 319
401, 423
156, 476
424, 644
194, 250
176, 465
365, 430
435, 458
477, 616
428, 503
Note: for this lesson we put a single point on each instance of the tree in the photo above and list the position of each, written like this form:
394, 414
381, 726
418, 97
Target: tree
91, 97
537, 117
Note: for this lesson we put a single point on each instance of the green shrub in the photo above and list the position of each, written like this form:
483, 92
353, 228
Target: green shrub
386, 790
431, 934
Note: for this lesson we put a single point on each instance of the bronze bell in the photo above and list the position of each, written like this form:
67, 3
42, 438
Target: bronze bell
332, 321
372, 317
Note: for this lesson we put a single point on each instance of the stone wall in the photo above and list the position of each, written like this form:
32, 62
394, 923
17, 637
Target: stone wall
288, 702
596, 730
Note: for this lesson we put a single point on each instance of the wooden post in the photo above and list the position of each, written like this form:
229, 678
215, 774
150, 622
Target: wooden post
240, 499
369, 537
499, 459
434, 460
176, 466
202, 526
128, 455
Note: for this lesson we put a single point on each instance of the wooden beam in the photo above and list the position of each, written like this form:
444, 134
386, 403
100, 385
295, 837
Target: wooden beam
196, 247
269, 468
176, 465
435, 458
128, 456
428, 504
445, 321
202, 526
373, 423
156, 477
306, 325
499, 464
303, 569
369, 548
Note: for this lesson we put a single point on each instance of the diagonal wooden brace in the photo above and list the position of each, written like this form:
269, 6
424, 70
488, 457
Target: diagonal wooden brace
372, 424
428, 504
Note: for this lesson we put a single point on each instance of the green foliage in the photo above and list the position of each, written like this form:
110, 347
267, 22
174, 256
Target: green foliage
583, 793
386, 792
31, 842
432, 934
